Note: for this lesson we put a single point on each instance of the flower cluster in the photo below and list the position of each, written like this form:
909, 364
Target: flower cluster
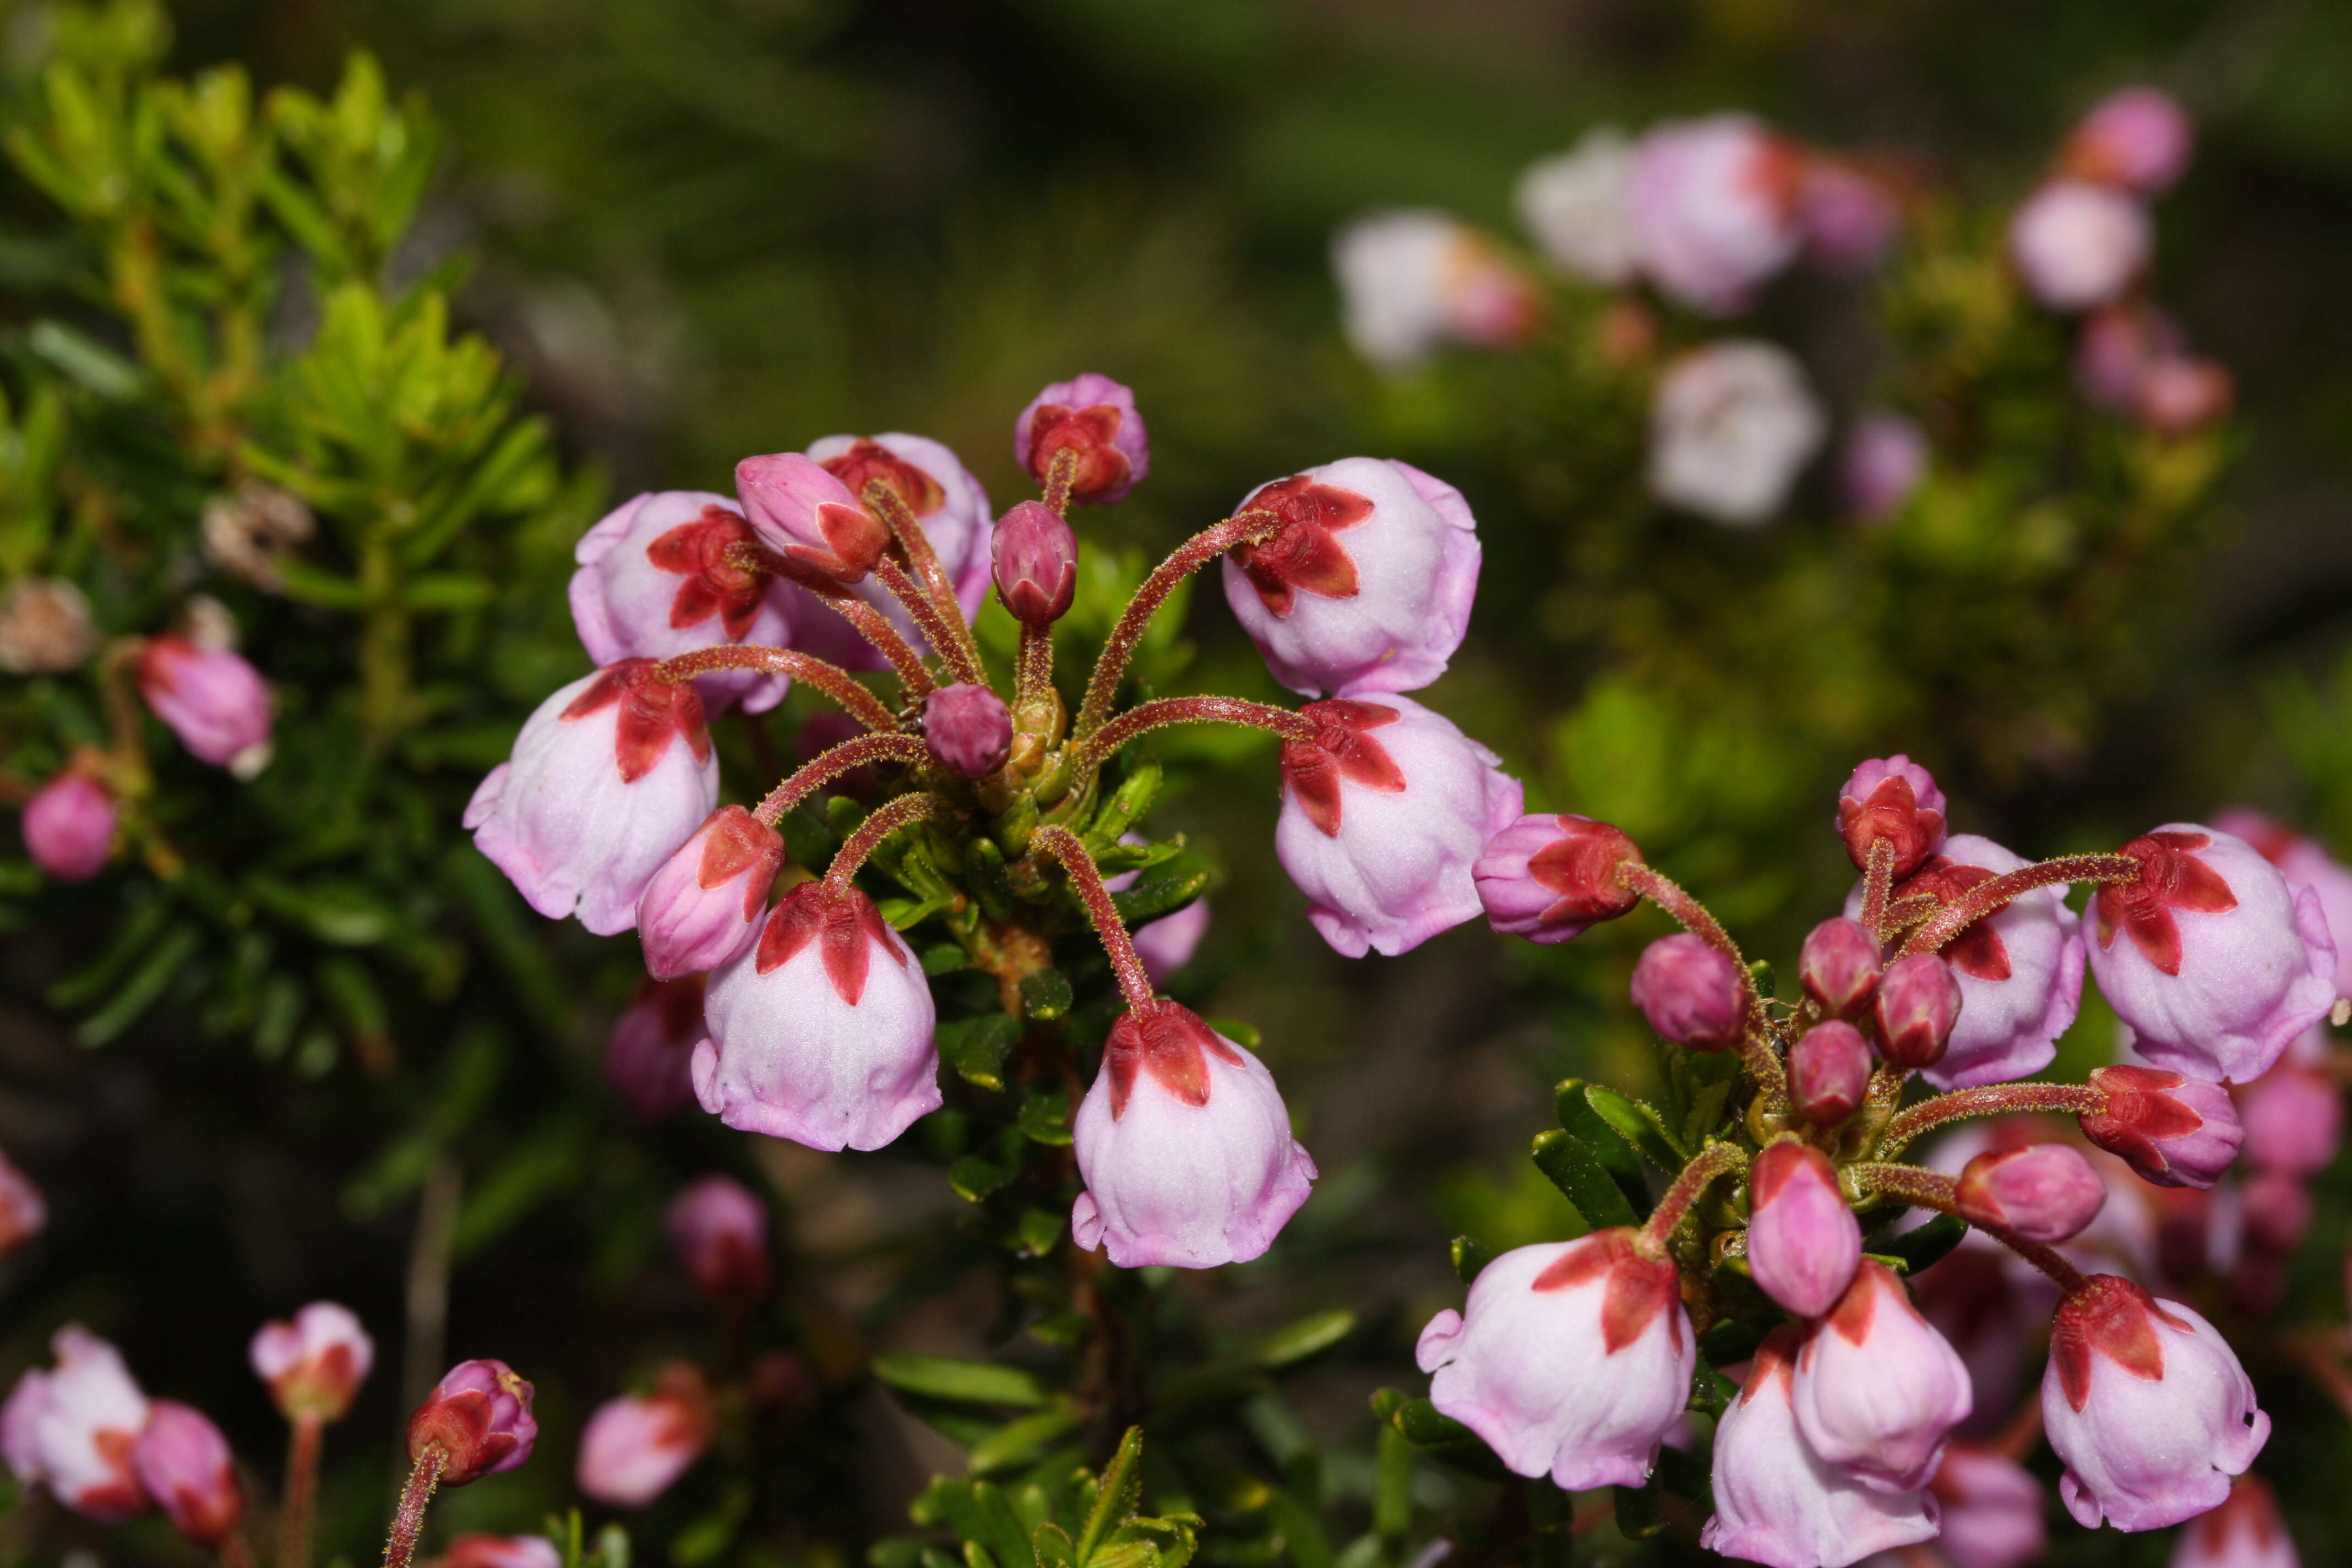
789, 1003
1956, 963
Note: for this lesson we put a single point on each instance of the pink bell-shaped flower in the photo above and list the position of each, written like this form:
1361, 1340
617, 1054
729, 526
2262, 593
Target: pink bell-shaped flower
2136, 138
1413, 280
2245, 1532
479, 1419
184, 1464
479, 1551
1368, 586
2174, 1131
803, 512
718, 1229
2213, 962
1894, 799
1571, 1359
702, 908
1384, 814
313, 1362
1551, 877
2043, 1192
1714, 209
2147, 1405
1185, 1145
1803, 1242
1095, 419
1731, 426
211, 699
1991, 1510
609, 777
2304, 863
948, 504
68, 827
1777, 1502
647, 1059
823, 1032
1878, 1388
2294, 1120
634, 1446
655, 582
73, 1428
2076, 245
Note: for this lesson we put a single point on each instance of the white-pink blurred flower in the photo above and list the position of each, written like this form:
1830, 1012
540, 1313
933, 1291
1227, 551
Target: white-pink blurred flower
315, 1362
73, 1428
211, 699
2136, 138
1732, 425
636, 1446
1714, 208
1411, 281
2077, 245
1578, 206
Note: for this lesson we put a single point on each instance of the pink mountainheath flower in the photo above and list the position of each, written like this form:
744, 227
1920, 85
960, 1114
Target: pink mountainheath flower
212, 700
68, 827
2175, 1131
1690, 993
72, 1428
1551, 877
655, 582
718, 1229
1732, 425
1878, 1388
1095, 419
1412, 281
1803, 1242
2076, 245
479, 1419
2136, 138
636, 1446
648, 1056
1714, 209
703, 906
314, 1361
184, 1464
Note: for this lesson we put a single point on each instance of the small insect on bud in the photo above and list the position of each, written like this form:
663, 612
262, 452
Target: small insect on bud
1839, 967
1691, 994
1037, 563
1918, 1002
479, 1419
2046, 1192
1829, 1072
968, 728
1894, 799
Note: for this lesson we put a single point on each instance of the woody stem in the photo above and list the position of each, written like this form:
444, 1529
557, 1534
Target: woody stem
408, 1519
948, 638
1149, 716
1992, 1099
1715, 1159
1189, 557
1986, 897
301, 1491
829, 679
925, 562
864, 618
1087, 881
1059, 476
885, 820
834, 763
1877, 883
1934, 1190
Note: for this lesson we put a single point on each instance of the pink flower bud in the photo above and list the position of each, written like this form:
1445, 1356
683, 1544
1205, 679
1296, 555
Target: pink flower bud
968, 728
1777, 1502
948, 503
2116, 349
2076, 245
2245, 1532
1992, 1509
73, 1428
608, 777
2137, 139
1714, 209
1095, 419
636, 1446
1185, 1145
2294, 1120
1571, 1359
1878, 1388
823, 1032
1036, 564
479, 1419
718, 1230
1829, 1072
1894, 799
23, 1213
1691, 994
647, 1059
1552, 877
184, 1464
2147, 1406
2044, 1192
1413, 280
2182, 394
2174, 1131
68, 827
315, 1363
1917, 1002
2278, 1208
1838, 966
801, 511
702, 908
211, 699
1851, 220
2020, 968
1367, 586
1885, 457
499, 1552
1804, 1243
654, 581
2214, 962
1383, 814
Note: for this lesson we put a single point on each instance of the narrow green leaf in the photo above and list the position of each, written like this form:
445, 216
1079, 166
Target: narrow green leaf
141, 990
975, 1176
1039, 1229
959, 1382
1045, 996
1018, 1442
1154, 897
1470, 1257
977, 1047
1914, 1250
1577, 1172
1119, 1493
1052, 1546
1297, 1341
1640, 1125
1616, 1156
1046, 1117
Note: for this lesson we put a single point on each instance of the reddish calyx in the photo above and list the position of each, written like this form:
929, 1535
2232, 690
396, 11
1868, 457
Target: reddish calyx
696, 551
2171, 879
2141, 1111
844, 923
1892, 812
1580, 866
1303, 553
1172, 1044
2111, 1318
868, 462
1638, 1287
653, 712
1976, 951
1342, 750
738, 842
1088, 434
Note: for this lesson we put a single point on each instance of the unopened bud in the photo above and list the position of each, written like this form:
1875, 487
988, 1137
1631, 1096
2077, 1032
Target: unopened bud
1918, 1002
1036, 556
315, 1362
1838, 967
2044, 1192
1691, 994
1829, 1072
718, 1230
184, 1464
1894, 799
68, 827
2174, 1131
1550, 878
1803, 1242
968, 728
479, 1419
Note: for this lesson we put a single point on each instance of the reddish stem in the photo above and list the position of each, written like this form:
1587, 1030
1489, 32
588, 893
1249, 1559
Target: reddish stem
299, 1498
925, 562
937, 629
829, 679
1149, 716
1715, 1159
1033, 671
234, 1552
1986, 897
1878, 881
834, 763
1187, 558
1992, 1099
880, 824
1087, 881
1934, 1190
408, 1519
1060, 475
1757, 1055
864, 618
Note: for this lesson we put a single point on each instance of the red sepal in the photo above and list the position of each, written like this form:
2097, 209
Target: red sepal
735, 842
1172, 1044
1580, 866
1892, 813
1303, 555
697, 551
847, 927
1638, 1287
1341, 749
1089, 432
2171, 879
2140, 1112
1978, 951
2113, 1318
869, 460
652, 711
